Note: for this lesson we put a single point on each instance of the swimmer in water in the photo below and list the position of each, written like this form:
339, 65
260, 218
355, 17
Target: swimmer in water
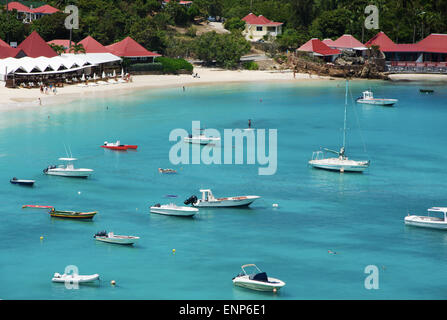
331, 252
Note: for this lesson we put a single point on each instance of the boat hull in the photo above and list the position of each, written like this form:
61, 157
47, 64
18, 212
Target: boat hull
425, 222
378, 102
245, 282
70, 174
352, 166
118, 240
73, 215
76, 278
224, 203
174, 212
26, 183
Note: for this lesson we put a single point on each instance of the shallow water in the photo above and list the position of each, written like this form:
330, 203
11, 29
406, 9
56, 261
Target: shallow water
359, 216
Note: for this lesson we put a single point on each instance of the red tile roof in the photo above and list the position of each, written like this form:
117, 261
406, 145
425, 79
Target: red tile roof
435, 43
347, 41
259, 20
317, 46
381, 40
328, 42
8, 52
130, 48
93, 46
64, 43
3, 43
46, 9
34, 46
18, 6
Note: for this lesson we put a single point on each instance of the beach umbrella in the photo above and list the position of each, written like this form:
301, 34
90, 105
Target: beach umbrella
83, 77
114, 73
103, 74
122, 73
94, 76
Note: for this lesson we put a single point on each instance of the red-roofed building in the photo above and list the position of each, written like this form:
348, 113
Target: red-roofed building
27, 14
3, 43
328, 42
431, 49
257, 27
181, 2
317, 48
348, 42
92, 46
34, 46
129, 48
8, 52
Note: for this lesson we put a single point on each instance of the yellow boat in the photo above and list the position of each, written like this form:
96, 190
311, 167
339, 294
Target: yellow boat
72, 214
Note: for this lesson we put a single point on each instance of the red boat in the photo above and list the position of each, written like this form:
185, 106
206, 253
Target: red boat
118, 146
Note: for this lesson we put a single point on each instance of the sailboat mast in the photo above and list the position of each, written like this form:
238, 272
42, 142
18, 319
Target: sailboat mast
346, 105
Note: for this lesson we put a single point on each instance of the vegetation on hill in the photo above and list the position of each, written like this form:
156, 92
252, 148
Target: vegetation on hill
150, 23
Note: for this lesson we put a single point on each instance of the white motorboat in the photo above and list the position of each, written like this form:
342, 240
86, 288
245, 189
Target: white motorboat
68, 170
114, 238
340, 163
208, 200
368, 98
174, 210
257, 280
435, 222
201, 139
74, 278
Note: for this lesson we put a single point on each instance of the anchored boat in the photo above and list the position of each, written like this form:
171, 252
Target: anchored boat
74, 278
257, 280
68, 170
72, 214
340, 163
174, 210
118, 146
27, 183
368, 98
201, 139
434, 222
114, 238
208, 200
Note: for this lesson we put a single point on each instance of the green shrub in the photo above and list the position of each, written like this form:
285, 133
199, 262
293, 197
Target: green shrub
146, 67
250, 65
171, 65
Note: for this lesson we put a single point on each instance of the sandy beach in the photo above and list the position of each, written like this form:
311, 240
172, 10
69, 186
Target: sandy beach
12, 99
418, 77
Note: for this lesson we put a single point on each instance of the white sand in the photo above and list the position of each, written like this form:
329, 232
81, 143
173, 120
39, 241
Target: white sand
26, 98
418, 77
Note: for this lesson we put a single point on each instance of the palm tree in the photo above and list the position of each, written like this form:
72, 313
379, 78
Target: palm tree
59, 49
77, 48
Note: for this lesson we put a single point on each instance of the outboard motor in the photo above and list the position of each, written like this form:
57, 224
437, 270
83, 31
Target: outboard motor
191, 200
100, 234
157, 205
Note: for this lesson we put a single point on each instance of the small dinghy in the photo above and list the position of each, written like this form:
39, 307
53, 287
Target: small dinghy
74, 278
166, 171
27, 183
118, 146
208, 200
72, 214
257, 280
173, 210
113, 238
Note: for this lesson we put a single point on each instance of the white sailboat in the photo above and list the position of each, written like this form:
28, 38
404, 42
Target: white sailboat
340, 163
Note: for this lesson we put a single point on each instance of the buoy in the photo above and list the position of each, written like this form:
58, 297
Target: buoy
41, 238
342, 170
274, 290
112, 282
275, 205
79, 192
173, 251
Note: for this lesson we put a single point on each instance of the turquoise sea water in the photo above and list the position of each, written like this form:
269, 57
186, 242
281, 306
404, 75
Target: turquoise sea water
359, 216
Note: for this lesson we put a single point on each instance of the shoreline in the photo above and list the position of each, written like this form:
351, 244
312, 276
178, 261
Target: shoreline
15, 99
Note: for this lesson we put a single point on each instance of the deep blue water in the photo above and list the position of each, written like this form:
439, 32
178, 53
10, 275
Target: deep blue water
359, 216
